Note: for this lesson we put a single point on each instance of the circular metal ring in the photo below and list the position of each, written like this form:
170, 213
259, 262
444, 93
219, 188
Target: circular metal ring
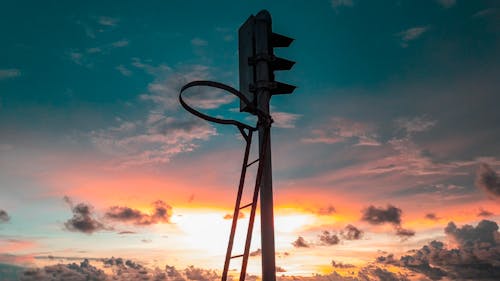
210, 118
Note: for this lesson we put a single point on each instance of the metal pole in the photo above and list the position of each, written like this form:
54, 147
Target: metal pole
263, 95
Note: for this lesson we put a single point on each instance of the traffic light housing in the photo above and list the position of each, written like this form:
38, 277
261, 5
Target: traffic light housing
257, 62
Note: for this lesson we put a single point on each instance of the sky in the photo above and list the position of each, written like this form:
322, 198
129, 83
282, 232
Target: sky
385, 158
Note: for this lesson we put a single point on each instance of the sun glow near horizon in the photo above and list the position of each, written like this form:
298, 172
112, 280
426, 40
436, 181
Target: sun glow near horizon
206, 231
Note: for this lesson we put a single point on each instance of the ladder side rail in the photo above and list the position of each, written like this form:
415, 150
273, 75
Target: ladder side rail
237, 205
254, 207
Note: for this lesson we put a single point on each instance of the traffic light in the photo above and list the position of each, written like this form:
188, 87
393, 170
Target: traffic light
246, 50
256, 43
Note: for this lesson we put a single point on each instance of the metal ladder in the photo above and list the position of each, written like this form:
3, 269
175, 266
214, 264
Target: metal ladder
247, 132
238, 206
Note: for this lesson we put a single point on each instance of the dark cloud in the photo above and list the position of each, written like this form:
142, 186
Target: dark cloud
161, 214
82, 220
435, 261
198, 274
255, 253
113, 261
126, 232
419, 261
476, 256
484, 213
120, 269
4, 216
327, 238
488, 181
369, 273
404, 233
351, 232
229, 216
391, 214
161, 211
431, 216
327, 211
258, 252
133, 265
342, 265
124, 214
389, 259
300, 243
282, 254
173, 274
376, 215
486, 232
117, 269
381, 274
61, 272
280, 269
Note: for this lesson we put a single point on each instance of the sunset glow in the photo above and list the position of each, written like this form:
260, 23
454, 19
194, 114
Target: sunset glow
385, 158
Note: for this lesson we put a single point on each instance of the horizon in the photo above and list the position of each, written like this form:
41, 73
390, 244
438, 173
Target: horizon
385, 158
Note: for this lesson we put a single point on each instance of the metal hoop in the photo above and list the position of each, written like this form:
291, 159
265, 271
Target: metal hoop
215, 119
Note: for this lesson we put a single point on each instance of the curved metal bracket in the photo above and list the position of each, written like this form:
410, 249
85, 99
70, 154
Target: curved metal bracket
226, 88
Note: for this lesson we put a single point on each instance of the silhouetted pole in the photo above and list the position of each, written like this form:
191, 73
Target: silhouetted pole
257, 84
263, 95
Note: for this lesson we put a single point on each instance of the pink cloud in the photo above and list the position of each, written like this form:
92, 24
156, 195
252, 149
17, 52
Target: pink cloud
16, 245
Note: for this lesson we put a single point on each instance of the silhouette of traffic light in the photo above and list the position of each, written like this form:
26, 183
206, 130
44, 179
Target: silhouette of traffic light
256, 43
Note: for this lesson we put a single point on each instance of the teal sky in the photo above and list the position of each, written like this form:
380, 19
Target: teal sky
397, 105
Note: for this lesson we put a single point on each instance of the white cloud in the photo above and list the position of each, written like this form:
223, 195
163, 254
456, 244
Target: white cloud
108, 21
88, 30
157, 71
123, 70
76, 57
198, 42
165, 89
164, 131
84, 57
340, 129
94, 50
119, 44
484, 13
284, 119
226, 32
447, 3
342, 3
209, 98
415, 124
411, 34
154, 140
9, 73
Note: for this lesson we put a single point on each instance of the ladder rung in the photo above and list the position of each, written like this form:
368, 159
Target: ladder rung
253, 162
238, 256
247, 205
